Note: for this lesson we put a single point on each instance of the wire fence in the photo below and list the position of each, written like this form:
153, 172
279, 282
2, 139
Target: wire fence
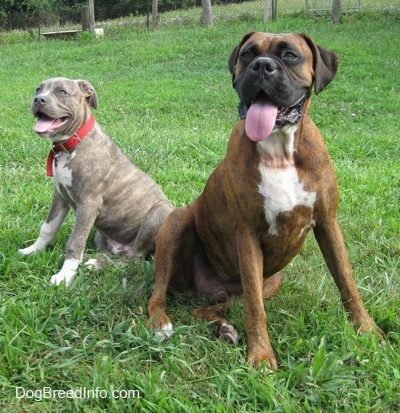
138, 12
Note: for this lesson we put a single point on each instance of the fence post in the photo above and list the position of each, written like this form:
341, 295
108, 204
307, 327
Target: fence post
266, 11
85, 19
39, 19
91, 15
154, 10
207, 13
274, 7
336, 11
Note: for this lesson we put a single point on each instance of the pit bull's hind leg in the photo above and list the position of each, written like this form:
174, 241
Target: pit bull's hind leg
143, 246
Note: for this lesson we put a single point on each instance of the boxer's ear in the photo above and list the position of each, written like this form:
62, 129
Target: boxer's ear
89, 92
325, 64
235, 55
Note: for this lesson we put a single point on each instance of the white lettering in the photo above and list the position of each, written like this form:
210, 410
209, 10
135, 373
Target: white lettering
81, 393
18, 393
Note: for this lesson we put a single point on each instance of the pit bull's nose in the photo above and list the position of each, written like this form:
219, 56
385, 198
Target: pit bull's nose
40, 100
264, 65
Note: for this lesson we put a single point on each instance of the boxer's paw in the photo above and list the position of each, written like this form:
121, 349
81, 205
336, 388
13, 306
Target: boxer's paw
228, 333
161, 327
371, 328
263, 358
364, 324
165, 332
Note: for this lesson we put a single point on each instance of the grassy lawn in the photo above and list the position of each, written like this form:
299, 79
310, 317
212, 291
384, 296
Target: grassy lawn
166, 99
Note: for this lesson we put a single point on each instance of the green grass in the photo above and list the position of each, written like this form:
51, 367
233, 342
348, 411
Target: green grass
166, 99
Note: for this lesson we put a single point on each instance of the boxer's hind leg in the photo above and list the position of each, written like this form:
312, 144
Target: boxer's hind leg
173, 262
222, 328
272, 284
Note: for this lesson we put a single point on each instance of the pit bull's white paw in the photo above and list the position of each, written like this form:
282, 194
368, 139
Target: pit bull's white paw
66, 274
26, 251
29, 250
93, 264
164, 333
40, 244
58, 278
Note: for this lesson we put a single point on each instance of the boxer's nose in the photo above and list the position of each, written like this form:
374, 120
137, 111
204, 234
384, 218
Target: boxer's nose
264, 65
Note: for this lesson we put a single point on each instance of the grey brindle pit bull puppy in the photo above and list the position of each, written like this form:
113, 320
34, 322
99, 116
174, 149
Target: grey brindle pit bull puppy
94, 178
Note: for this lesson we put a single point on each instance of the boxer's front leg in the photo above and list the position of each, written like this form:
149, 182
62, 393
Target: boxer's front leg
259, 347
331, 243
173, 259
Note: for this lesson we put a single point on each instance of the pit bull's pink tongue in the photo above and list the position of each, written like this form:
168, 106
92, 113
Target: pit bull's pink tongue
43, 124
260, 119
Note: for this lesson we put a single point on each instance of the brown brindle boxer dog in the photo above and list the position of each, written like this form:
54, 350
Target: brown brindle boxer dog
275, 184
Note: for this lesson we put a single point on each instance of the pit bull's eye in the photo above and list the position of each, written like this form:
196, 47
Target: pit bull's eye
62, 92
37, 89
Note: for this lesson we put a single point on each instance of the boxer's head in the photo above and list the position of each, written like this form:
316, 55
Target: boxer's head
273, 75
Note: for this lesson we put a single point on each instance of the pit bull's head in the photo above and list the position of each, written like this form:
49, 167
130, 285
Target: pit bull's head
273, 74
62, 106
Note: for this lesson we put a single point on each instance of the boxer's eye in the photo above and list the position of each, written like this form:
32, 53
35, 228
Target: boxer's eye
288, 56
247, 55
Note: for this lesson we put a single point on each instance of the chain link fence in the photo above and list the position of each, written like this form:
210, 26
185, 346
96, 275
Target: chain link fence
109, 13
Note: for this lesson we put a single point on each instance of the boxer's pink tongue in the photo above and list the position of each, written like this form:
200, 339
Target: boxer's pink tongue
260, 119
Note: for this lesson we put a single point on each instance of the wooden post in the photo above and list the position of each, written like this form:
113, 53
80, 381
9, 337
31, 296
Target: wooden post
274, 7
154, 8
207, 12
336, 11
91, 15
266, 11
85, 19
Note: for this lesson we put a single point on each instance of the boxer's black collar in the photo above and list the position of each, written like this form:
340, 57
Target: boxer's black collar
69, 144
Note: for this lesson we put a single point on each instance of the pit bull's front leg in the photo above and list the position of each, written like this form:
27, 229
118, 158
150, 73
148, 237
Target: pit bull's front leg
86, 214
48, 231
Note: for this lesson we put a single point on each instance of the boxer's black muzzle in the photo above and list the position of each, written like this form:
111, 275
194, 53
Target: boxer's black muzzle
267, 78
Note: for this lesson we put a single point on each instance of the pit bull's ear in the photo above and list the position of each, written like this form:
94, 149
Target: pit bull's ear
235, 55
325, 64
89, 92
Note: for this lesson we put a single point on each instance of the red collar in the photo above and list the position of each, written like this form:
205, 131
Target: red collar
69, 144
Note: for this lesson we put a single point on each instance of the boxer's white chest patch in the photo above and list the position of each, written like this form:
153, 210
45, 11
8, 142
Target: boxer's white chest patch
280, 184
